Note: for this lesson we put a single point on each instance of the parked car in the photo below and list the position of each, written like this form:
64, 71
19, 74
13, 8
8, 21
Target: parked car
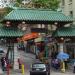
1, 52
39, 68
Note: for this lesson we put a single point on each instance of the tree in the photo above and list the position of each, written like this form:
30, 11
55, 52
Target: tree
19, 1
8, 10
45, 4
4, 11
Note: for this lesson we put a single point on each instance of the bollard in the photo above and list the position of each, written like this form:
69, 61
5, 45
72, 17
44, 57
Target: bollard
8, 68
23, 72
63, 67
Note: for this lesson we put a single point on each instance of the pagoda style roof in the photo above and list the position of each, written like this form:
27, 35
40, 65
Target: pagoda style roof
65, 32
37, 15
10, 32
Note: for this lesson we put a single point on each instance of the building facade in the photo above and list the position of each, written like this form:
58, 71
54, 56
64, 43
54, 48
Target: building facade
5, 3
25, 1
68, 8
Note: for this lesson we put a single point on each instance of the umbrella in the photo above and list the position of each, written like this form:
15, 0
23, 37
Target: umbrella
62, 56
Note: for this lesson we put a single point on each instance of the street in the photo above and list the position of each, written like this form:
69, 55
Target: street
27, 59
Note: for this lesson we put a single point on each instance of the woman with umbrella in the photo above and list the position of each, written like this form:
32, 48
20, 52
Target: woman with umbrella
63, 57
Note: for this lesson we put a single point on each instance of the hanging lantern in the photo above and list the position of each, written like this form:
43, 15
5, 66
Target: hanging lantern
55, 23
8, 23
23, 22
24, 28
18, 39
19, 26
61, 40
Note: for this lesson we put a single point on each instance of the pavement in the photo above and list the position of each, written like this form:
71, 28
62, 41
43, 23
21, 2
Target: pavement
60, 73
1, 72
16, 72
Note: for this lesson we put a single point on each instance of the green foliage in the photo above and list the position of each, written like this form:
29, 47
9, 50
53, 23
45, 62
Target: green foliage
8, 10
17, 4
19, 1
5, 12
46, 4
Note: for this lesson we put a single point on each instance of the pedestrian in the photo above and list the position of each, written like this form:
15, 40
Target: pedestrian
3, 63
74, 68
47, 67
55, 64
19, 62
66, 63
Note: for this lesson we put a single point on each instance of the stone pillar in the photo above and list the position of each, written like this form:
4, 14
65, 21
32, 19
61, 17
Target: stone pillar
16, 56
61, 45
61, 49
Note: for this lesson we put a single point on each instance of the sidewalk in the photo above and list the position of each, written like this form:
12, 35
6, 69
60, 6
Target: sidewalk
16, 72
1, 72
29, 55
60, 73
52, 73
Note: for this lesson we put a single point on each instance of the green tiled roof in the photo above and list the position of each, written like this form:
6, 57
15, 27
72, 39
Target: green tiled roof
37, 15
65, 32
10, 32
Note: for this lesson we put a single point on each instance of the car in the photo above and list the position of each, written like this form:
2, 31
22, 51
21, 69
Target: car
39, 68
1, 52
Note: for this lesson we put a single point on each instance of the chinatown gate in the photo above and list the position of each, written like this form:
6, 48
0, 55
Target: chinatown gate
20, 22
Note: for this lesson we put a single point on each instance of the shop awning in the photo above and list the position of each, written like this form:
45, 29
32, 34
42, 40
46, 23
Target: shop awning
30, 36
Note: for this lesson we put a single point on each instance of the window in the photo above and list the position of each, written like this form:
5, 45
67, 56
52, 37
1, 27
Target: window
63, 2
70, 0
39, 66
71, 13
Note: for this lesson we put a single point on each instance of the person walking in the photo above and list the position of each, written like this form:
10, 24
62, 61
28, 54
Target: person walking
19, 62
3, 63
47, 66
